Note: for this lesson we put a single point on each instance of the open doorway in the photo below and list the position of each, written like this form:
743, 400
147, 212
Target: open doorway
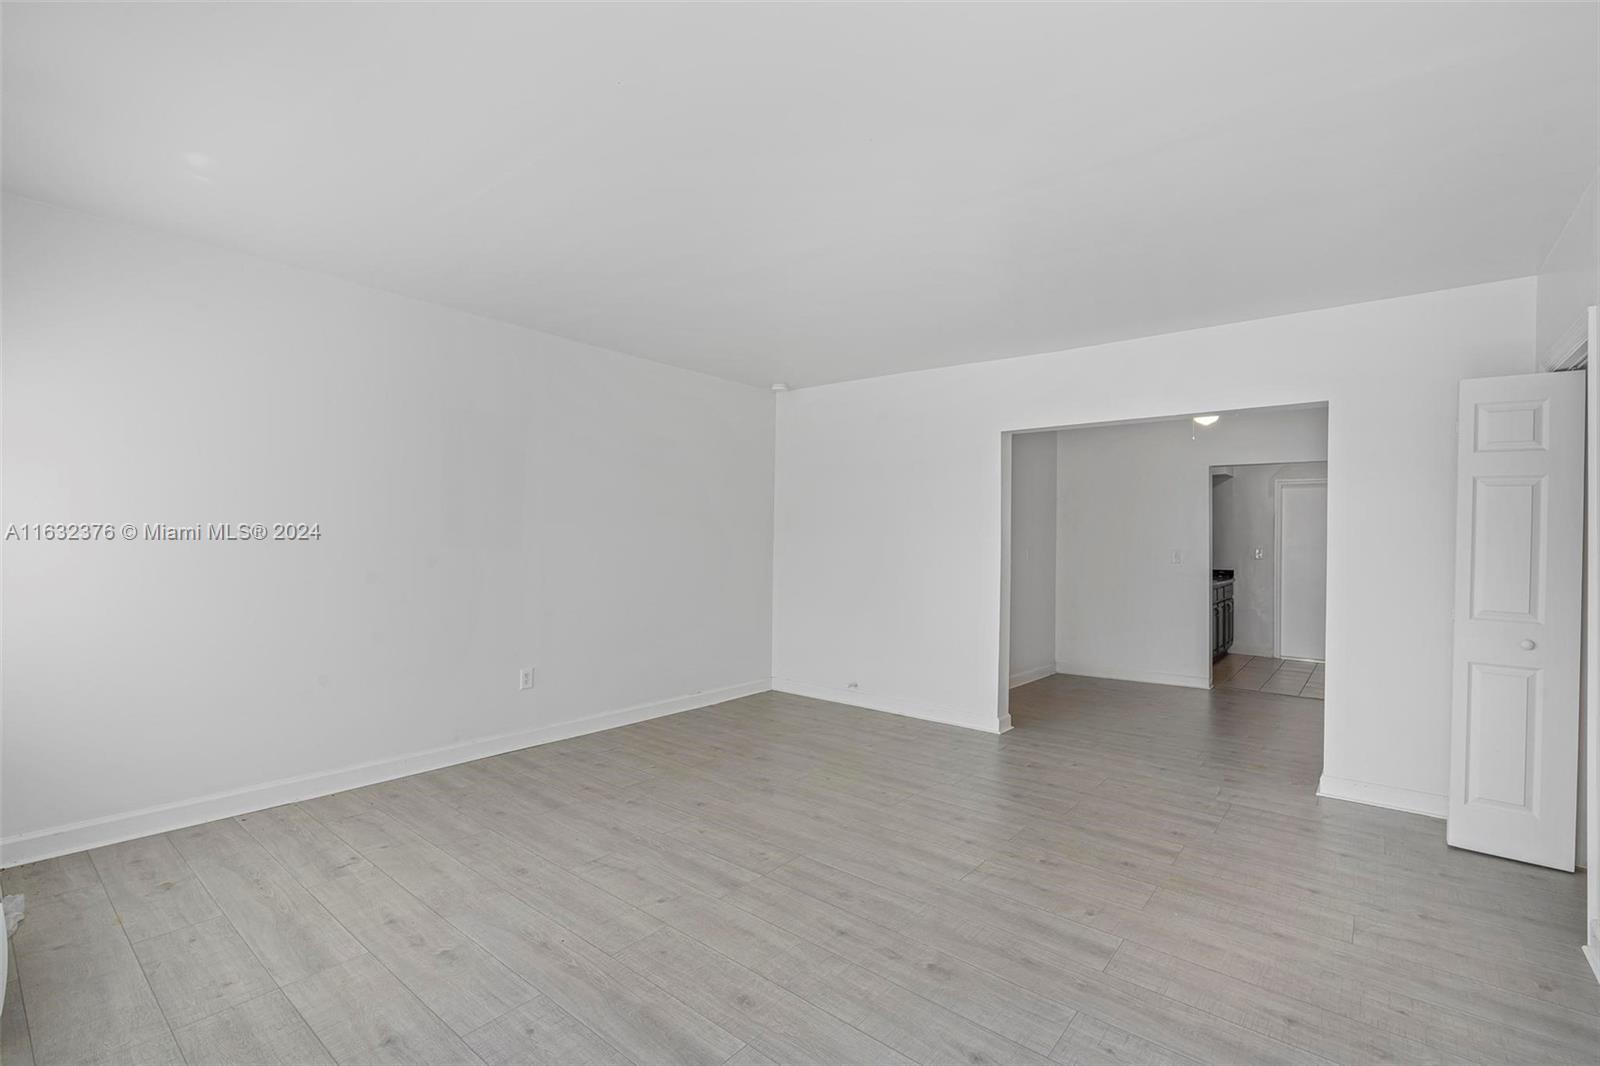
1108, 559
1269, 560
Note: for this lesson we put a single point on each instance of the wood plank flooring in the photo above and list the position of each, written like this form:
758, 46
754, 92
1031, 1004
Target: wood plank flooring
1134, 874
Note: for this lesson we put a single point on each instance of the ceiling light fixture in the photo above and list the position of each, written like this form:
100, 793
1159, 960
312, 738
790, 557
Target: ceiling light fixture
1206, 420
779, 387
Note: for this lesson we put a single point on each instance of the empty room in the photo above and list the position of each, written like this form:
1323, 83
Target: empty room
791, 533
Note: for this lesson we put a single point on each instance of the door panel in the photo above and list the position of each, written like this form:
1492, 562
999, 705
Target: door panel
1514, 426
1502, 723
1302, 568
1519, 524
1507, 548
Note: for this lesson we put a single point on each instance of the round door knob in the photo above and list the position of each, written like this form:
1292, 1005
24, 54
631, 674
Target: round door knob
1528, 645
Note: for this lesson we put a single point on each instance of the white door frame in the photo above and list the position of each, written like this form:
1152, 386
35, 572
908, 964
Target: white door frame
1277, 557
1591, 647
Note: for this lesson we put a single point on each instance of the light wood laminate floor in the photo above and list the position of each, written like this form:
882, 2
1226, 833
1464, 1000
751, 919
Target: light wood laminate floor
1134, 874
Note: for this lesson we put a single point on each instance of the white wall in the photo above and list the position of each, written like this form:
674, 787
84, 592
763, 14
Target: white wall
1033, 556
1244, 519
1131, 496
489, 497
1569, 279
887, 569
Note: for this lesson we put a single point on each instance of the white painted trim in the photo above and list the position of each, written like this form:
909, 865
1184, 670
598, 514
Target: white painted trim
906, 708
1002, 695
1594, 960
113, 829
1148, 677
1591, 642
1038, 673
1570, 351
1253, 653
1391, 797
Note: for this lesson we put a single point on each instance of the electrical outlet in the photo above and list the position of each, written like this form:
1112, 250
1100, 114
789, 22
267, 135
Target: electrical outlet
525, 678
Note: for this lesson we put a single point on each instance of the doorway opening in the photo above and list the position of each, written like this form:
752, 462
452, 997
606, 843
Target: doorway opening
1107, 551
1269, 577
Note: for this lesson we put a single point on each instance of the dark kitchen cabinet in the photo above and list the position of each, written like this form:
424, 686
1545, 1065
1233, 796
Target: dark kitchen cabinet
1221, 618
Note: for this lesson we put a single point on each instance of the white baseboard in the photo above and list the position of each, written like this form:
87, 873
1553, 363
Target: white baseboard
113, 829
1395, 799
1593, 956
1038, 673
1267, 654
906, 708
1148, 677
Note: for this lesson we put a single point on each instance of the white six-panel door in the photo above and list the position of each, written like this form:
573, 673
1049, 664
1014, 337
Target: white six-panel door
1518, 599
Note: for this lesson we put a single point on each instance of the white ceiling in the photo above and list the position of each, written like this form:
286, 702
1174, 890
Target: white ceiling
816, 193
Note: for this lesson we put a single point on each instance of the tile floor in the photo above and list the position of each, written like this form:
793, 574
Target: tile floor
1258, 673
